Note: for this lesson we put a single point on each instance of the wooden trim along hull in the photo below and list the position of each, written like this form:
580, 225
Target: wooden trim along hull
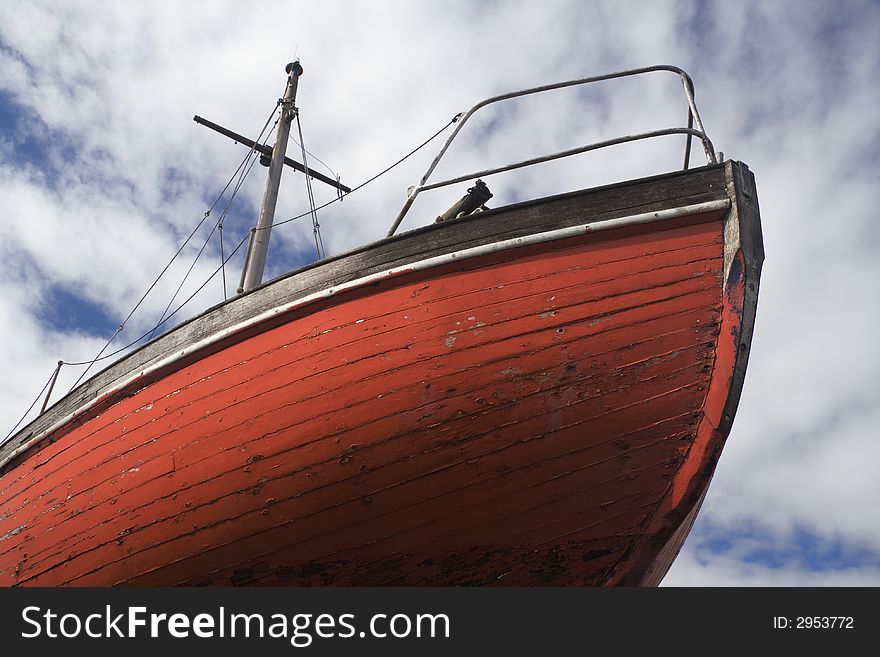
546, 413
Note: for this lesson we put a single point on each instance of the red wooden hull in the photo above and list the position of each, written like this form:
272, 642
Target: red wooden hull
545, 415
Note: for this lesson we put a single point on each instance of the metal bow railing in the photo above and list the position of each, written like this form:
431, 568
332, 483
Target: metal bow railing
694, 129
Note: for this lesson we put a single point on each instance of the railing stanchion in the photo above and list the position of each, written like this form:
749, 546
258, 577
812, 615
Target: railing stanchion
694, 129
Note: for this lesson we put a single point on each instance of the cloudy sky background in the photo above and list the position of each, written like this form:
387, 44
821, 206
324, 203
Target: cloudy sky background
103, 174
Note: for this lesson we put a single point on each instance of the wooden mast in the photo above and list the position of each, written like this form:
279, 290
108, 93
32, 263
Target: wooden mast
256, 261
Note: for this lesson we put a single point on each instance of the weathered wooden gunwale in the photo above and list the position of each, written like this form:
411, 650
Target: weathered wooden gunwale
390, 436
607, 202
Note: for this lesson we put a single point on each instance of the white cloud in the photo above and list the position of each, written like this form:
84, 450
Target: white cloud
721, 570
790, 88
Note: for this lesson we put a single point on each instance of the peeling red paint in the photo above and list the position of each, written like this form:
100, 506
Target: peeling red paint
516, 418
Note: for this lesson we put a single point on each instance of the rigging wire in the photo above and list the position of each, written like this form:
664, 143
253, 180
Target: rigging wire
100, 355
207, 280
30, 408
378, 175
222, 262
174, 312
315, 157
299, 216
316, 227
225, 261
217, 225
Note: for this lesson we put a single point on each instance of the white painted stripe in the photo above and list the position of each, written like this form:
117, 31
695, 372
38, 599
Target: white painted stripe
427, 263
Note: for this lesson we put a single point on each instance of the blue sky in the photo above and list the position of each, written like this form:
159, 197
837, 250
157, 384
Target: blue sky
103, 174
